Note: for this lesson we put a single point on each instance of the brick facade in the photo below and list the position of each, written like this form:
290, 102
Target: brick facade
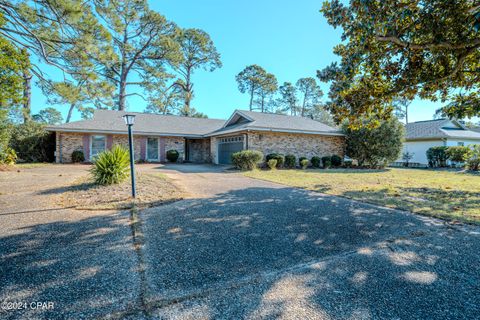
300, 145
67, 142
204, 150
199, 150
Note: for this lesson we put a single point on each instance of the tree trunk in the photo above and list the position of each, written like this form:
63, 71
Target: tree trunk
304, 102
70, 111
188, 93
252, 90
27, 95
122, 92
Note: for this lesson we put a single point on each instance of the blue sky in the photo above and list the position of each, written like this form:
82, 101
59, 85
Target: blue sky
290, 39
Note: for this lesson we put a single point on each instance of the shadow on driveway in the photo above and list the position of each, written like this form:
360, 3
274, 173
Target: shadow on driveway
87, 268
284, 252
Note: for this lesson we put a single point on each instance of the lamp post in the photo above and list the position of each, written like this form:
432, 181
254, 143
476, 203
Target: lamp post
129, 121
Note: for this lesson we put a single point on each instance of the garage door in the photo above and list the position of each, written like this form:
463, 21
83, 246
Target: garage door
227, 146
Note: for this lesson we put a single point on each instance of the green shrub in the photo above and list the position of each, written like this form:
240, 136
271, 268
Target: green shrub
348, 163
32, 143
336, 160
8, 156
279, 157
78, 156
473, 163
316, 161
272, 164
300, 159
375, 146
172, 155
246, 159
290, 160
437, 156
304, 163
327, 161
459, 153
111, 166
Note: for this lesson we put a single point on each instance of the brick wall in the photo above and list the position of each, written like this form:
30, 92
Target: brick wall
300, 145
176, 143
67, 142
199, 150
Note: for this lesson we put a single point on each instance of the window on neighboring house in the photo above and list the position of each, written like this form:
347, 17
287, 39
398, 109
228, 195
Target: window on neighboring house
461, 144
99, 144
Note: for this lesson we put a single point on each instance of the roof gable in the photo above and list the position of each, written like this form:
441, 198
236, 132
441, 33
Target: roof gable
438, 129
237, 118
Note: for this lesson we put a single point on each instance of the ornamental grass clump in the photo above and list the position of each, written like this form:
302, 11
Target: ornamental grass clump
111, 166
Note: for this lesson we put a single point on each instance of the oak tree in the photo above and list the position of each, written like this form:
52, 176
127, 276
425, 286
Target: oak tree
403, 49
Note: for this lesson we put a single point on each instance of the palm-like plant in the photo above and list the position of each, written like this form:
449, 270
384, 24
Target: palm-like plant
111, 166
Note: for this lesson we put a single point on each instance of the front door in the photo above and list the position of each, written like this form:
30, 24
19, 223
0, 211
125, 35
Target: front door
152, 149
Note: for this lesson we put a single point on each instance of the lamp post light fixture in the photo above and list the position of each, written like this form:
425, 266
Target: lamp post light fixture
129, 121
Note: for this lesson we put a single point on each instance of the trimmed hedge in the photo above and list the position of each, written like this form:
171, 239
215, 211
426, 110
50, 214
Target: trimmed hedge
437, 156
315, 161
326, 162
247, 159
78, 156
336, 160
279, 157
304, 163
172, 155
272, 164
290, 160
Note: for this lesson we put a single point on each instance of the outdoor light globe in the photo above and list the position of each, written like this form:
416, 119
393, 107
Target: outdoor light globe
129, 119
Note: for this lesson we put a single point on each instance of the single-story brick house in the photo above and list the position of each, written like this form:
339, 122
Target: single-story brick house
196, 139
422, 135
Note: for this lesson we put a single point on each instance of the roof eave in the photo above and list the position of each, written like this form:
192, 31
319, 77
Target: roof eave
163, 134
320, 133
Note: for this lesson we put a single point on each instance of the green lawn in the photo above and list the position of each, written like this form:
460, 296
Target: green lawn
443, 194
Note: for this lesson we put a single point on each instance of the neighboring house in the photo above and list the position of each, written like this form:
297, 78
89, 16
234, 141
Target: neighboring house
422, 135
197, 139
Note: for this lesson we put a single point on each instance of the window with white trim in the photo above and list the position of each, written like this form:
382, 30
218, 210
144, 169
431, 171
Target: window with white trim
98, 145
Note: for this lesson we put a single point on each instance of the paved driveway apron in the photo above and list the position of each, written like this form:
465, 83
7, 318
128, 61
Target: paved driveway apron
250, 249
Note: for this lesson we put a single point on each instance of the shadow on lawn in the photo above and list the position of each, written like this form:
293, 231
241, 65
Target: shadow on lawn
430, 201
82, 186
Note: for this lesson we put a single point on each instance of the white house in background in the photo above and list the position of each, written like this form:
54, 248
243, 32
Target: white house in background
422, 135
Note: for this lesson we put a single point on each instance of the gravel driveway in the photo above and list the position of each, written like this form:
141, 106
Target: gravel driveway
252, 249
82, 261
238, 248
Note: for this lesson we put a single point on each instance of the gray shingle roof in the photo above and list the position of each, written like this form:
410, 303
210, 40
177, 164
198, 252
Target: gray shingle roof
108, 121
277, 122
111, 121
437, 129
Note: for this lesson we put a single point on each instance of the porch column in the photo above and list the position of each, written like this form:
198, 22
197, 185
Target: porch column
109, 141
143, 148
162, 149
86, 146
